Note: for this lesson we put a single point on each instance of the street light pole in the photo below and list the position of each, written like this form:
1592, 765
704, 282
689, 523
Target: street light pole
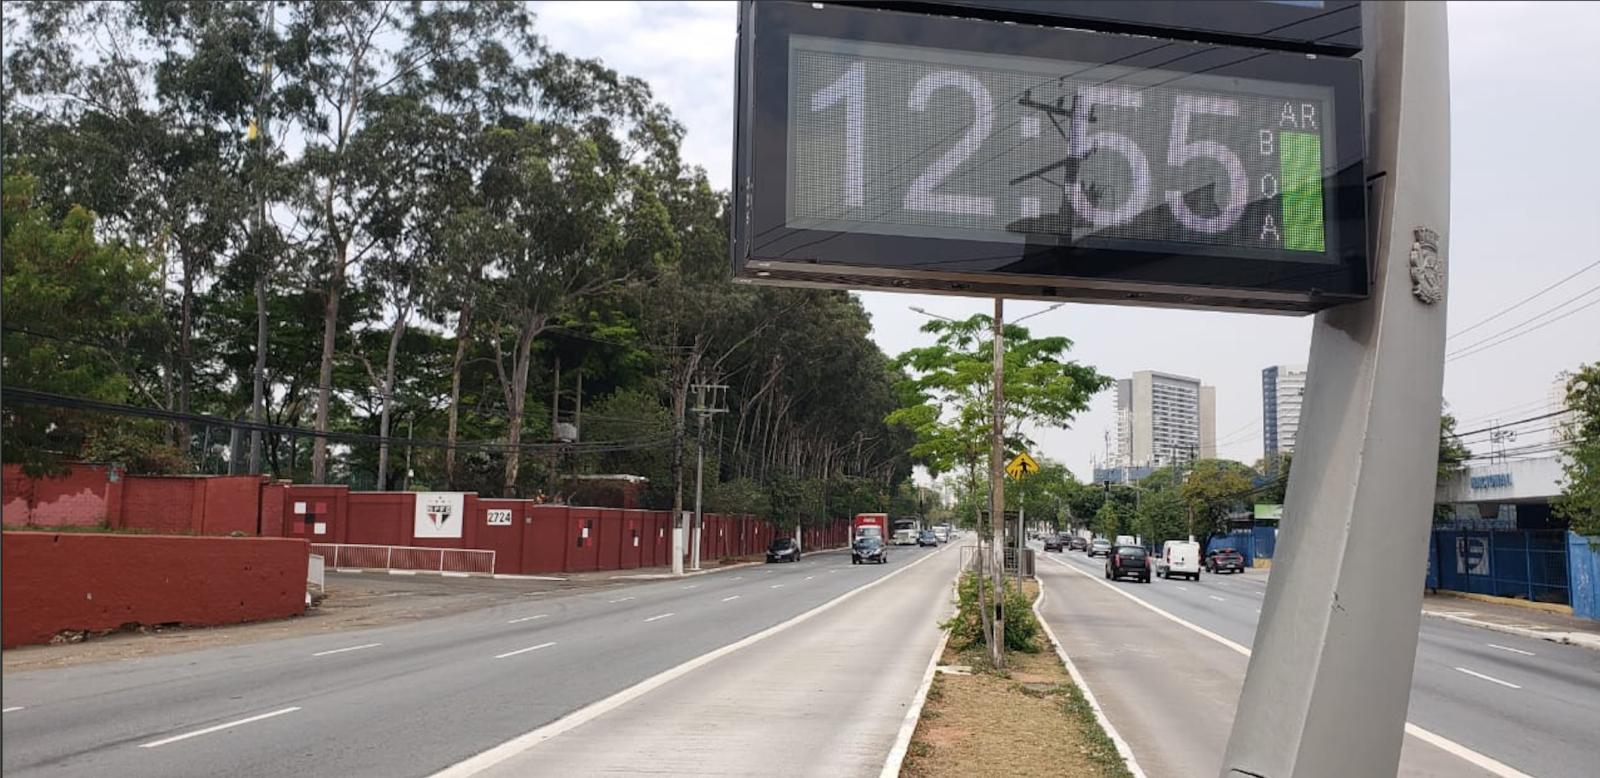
997, 499
704, 407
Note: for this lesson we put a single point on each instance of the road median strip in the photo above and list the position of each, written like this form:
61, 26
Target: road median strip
1032, 713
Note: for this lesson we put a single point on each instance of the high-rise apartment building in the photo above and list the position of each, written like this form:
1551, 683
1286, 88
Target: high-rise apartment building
1283, 389
1164, 419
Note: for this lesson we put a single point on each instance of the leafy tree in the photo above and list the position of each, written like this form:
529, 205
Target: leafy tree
1161, 515
72, 305
946, 398
1109, 521
1453, 456
1275, 470
1579, 503
1213, 489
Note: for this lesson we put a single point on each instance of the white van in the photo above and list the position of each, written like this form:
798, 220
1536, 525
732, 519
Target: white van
1126, 540
1179, 557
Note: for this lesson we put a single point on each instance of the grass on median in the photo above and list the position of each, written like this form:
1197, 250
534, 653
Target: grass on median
1027, 720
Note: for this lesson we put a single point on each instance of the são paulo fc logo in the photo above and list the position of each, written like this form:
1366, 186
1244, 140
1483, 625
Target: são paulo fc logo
439, 513
1427, 267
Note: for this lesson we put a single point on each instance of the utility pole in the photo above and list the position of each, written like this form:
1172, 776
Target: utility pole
258, 403
997, 498
709, 399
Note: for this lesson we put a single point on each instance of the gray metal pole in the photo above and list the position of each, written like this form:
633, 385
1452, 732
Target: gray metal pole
997, 487
1330, 678
699, 478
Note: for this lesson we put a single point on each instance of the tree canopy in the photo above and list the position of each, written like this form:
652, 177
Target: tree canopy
413, 222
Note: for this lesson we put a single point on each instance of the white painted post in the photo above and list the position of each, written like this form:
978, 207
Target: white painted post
1330, 677
388, 558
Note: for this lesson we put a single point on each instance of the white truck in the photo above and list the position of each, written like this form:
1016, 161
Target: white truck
906, 531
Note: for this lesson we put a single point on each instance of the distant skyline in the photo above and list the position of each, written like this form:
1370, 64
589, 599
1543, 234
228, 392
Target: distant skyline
1525, 99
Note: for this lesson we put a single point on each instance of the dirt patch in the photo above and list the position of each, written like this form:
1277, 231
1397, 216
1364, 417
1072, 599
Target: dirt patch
1029, 720
353, 601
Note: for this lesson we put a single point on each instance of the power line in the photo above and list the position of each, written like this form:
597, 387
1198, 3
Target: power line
1527, 299
1510, 423
1478, 350
1540, 315
50, 399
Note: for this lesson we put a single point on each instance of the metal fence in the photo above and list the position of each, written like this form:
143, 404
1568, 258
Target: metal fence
1524, 564
436, 560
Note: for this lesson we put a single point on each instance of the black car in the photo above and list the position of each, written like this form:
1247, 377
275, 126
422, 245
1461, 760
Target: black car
868, 549
1077, 544
1055, 543
1128, 562
1222, 559
927, 538
783, 550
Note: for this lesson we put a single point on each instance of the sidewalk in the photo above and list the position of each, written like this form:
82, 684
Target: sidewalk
1511, 619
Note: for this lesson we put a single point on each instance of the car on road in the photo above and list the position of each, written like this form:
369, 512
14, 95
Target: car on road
1128, 562
1077, 544
1179, 558
1100, 547
1055, 543
783, 550
927, 538
1224, 559
868, 549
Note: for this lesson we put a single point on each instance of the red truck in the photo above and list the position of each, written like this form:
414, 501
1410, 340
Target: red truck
876, 524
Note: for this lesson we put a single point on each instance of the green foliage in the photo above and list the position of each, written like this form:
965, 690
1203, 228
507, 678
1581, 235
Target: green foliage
1453, 455
1109, 521
1162, 515
437, 189
1579, 502
1022, 628
1213, 488
73, 305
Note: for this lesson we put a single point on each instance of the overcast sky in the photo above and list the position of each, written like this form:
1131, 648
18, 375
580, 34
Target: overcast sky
1525, 198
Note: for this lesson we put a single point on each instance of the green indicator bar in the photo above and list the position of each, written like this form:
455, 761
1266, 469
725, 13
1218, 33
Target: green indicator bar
1300, 158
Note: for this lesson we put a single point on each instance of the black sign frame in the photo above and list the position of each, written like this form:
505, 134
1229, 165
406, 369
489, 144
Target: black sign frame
1168, 275
1328, 27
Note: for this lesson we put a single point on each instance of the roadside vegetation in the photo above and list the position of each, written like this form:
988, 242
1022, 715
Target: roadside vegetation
1029, 719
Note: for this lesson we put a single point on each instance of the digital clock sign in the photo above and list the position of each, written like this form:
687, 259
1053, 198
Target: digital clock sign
879, 148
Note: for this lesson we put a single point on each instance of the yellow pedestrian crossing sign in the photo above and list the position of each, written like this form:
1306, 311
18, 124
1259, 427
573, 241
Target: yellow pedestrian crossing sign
1021, 465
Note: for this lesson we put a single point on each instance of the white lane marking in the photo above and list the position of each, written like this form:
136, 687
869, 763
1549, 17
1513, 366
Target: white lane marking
351, 648
523, 650
690, 586
1512, 650
1463, 753
659, 617
736, 578
809, 577
908, 726
729, 599
1438, 741
493, 756
527, 618
1181, 589
1489, 678
776, 586
621, 599
1123, 749
1214, 597
12, 709
218, 728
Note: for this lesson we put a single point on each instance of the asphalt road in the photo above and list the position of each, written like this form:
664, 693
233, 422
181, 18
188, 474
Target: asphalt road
402, 700
1530, 704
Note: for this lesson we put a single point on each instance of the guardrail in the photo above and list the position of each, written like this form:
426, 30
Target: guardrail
359, 556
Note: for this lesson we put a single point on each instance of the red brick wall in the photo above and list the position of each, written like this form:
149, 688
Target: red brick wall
159, 505
70, 581
77, 499
231, 504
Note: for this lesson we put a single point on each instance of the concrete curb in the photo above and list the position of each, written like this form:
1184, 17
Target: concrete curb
1546, 607
1579, 639
1123, 749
